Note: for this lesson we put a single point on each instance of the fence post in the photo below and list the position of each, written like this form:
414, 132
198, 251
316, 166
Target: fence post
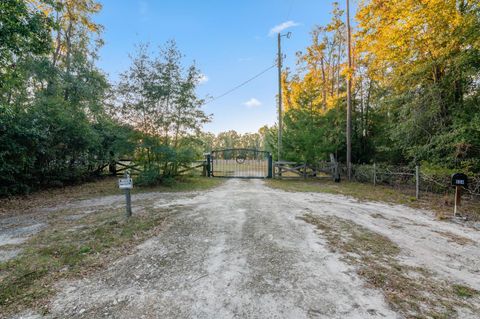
270, 166
204, 169
417, 182
112, 168
374, 174
209, 165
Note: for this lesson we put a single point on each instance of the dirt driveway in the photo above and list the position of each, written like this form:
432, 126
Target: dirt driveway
240, 251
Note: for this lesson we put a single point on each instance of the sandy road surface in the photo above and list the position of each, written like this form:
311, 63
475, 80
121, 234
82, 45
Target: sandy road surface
238, 251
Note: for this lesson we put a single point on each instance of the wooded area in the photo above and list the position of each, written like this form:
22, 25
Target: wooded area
415, 91
415, 77
61, 120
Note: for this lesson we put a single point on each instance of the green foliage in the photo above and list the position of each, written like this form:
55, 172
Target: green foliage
157, 94
232, 139
50, 146
426, 91
310, 136
149, 176
162, 163
54, 128
415, 96
24, 32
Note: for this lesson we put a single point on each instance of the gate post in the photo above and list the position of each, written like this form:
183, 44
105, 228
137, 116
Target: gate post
209, 165
270, 166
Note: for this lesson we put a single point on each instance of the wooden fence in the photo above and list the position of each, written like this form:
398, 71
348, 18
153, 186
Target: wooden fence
119, 167
283, 169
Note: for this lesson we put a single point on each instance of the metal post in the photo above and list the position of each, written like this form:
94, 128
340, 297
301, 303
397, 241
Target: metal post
280, 124
456, 198
417, 182
374, 174
209, 165
128, 199
129, 203
270, 166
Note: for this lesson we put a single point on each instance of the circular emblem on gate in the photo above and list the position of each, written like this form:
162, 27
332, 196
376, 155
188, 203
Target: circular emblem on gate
240, 159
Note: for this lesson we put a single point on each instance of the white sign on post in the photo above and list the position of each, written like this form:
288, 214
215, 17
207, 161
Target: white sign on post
125, 183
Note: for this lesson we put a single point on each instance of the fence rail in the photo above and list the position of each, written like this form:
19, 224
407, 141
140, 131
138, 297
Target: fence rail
118, 167
322, 169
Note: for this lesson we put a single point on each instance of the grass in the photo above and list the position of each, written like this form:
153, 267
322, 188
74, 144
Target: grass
69, 249
451, 237
103, 187
367, 192
411, 291
464, 291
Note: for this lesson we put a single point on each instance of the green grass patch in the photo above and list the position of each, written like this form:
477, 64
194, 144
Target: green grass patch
182, 184
69, 250
360, 191
411, 291
464, 291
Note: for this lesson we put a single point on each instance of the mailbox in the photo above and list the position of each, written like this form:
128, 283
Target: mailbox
459, 179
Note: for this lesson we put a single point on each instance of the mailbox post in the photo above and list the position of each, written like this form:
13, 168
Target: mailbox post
126, 184
459, 181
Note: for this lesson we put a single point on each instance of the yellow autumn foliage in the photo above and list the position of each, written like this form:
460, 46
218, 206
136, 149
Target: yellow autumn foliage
318, 83
397, 37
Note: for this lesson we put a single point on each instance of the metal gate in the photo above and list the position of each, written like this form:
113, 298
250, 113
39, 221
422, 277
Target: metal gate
239, 162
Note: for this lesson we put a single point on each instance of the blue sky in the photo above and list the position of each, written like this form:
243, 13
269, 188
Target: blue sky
229, 41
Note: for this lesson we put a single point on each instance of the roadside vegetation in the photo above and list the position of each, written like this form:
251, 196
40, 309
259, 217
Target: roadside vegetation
62, 122
71, 249
76, 244
415, 95
410, 291
415, 88
442, 205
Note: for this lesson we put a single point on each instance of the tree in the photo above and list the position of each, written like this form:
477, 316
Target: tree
24, 33
157, 96
318, 83
423, 57
315, 94
54, 129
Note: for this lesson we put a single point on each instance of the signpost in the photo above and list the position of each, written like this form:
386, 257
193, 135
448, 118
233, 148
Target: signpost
127, 184
459, 180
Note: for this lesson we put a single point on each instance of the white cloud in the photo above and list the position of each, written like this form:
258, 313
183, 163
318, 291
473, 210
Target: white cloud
202, 79
282, 26
253, 102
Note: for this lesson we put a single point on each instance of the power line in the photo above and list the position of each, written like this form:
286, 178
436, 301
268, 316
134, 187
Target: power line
290, 9
241, 84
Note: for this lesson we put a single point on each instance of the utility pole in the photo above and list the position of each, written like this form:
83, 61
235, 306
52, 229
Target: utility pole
349, 97
279, 63
280, 124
